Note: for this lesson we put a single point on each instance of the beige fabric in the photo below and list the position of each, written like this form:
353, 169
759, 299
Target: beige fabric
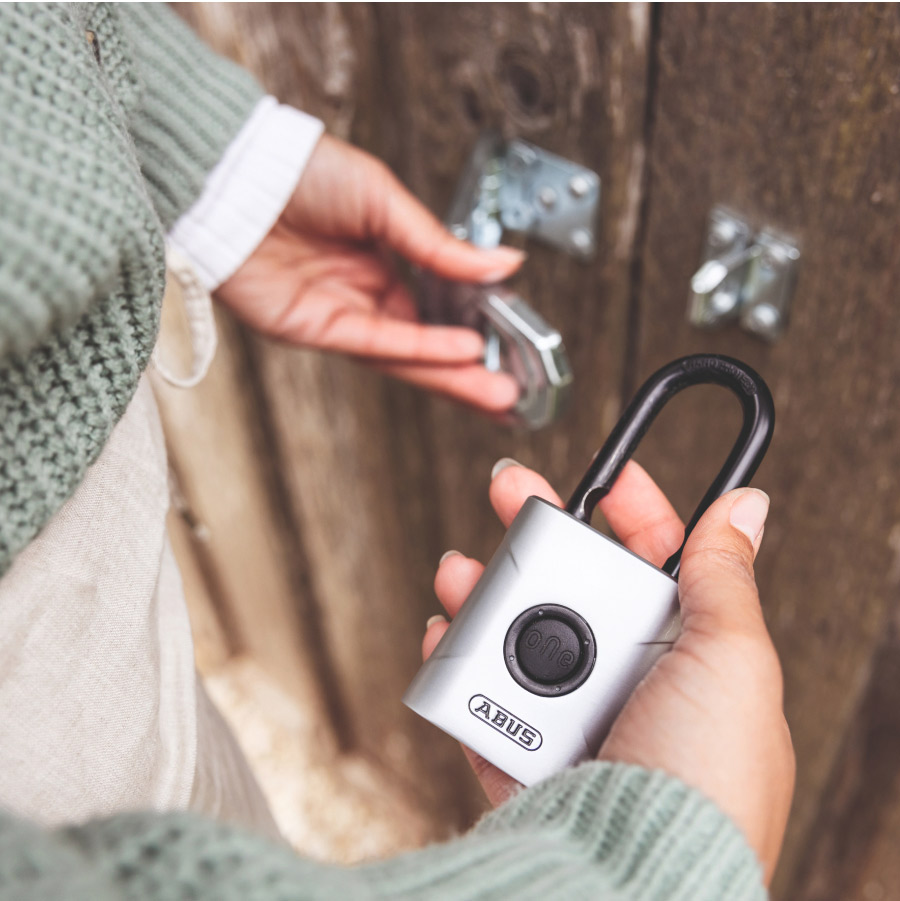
201, 323
100, 707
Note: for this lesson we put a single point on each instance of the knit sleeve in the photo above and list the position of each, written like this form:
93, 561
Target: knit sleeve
73, 216
192, 104
600, 831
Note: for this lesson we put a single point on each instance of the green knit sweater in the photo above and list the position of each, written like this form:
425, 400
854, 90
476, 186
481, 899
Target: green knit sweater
110, 118
601, 831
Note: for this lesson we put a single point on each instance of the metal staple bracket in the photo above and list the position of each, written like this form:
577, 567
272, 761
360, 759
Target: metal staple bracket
745, 275
516, 186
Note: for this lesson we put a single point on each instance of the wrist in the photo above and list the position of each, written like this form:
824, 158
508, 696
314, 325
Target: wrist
247, 191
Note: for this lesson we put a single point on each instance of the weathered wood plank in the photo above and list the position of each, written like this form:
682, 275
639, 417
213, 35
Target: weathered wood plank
572, 80
853, 853
380, 480
450, 71
445, 73
325, 427
792, 115
231, 545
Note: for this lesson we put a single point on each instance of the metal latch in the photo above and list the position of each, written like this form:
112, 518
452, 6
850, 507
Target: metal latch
515, 186
745, 275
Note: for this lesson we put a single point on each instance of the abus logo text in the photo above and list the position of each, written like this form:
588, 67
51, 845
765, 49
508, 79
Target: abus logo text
504, 722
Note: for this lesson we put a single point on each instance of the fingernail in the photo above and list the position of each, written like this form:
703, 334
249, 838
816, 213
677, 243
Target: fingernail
501, 464
448, 555
433, 620
748, 513
508, 258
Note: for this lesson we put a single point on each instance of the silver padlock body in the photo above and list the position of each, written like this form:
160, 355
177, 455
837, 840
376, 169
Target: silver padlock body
547, 558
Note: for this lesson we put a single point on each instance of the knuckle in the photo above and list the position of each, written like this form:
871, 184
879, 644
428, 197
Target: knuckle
715, 562
669, 533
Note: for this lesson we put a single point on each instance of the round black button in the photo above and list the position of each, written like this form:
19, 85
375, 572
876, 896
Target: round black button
549, 650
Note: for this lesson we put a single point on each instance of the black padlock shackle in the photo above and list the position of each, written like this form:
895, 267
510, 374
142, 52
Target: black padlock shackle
742, 462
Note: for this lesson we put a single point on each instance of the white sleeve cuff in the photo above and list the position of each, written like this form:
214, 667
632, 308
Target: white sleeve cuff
245, 193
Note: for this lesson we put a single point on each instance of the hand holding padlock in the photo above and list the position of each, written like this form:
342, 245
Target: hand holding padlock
710, 712
565, 622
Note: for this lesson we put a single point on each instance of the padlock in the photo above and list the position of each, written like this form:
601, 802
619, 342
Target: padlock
565, 622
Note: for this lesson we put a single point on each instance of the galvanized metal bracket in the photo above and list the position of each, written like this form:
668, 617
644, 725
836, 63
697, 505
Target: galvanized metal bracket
745, 276
515, 186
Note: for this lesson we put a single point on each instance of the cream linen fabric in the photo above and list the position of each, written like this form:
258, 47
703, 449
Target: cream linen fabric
100, 707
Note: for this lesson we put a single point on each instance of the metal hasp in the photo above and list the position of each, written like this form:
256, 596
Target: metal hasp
515, 186
745, 275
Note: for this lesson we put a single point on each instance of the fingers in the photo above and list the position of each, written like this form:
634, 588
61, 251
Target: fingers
492, 392
398, 303
360, 333
716, 583
347, 193
641, 516
405, 225
454, 580
636, 509
434, 632
496, 784
716, 580
512, 484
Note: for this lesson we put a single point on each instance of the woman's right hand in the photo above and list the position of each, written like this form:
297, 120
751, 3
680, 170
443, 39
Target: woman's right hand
710, 711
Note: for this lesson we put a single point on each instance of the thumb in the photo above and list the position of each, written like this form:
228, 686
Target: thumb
407, 227
716, 584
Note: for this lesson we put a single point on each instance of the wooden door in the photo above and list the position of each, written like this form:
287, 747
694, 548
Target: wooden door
792, 115
351, 487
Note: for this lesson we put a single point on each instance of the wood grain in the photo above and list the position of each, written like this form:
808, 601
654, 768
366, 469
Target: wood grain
573, 81
789, 114
232, 544
341, 485
852, 853
450, 71
374, 480
792, 114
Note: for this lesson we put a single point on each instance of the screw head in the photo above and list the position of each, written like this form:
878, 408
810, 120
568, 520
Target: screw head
722, 233
579, 185
723, 302
547, 197
518, 215
459, 231
582, 240
763, 317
